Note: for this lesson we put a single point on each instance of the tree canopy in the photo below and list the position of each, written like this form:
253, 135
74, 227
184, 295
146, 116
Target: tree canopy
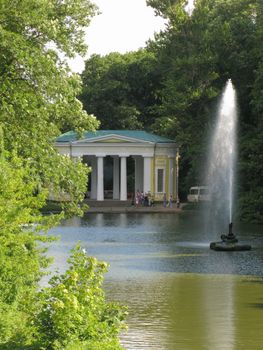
38, 100
37, 90
116, 88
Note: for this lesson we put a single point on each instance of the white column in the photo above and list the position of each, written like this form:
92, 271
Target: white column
123, 195
171, 176
136, 174
146, 174
93, 192
116, 178
100, 179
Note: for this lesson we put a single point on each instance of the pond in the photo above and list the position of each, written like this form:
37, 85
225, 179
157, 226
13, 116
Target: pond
181, 295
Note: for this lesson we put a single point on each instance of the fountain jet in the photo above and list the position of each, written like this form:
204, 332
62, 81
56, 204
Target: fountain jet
221, 168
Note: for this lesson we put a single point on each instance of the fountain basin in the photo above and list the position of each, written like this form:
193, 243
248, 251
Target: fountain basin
229, 242
229, 246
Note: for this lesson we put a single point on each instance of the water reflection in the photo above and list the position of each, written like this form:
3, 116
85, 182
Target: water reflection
195, 312
181, 295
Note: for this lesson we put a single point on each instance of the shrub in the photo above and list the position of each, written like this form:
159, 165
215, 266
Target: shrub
74, 310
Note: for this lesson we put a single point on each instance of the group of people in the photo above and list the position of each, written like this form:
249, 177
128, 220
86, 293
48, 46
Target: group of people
146, 200
168, 202
143, 199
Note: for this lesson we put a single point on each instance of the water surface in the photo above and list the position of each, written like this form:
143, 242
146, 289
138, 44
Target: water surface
181, 295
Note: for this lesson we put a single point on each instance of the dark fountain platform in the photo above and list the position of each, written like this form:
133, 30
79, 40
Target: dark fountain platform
229, 243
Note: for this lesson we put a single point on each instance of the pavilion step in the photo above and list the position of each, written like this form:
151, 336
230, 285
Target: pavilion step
108, 203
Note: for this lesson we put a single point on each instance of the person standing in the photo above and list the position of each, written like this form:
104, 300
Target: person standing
171, 201
137, 199
164, 200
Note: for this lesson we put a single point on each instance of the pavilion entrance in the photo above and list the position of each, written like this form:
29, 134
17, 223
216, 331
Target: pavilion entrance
111, 189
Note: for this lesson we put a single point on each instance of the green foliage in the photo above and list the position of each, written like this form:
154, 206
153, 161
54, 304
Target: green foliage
21, 258
196, 55
38, 93
251, 206
116, 88
38, 99
163, 8
96, 345
74, 309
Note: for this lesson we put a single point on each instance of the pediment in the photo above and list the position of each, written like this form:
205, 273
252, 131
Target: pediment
112, 138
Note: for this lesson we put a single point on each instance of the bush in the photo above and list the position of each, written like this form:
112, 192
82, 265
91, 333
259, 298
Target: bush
251, 206
74, 311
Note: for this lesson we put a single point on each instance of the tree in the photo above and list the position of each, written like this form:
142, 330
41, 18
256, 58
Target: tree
37, 90
38, 98
251, 201
21, 258
120, 89
188, 67
197, 54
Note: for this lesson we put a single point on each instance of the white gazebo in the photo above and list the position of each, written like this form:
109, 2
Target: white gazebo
155, 158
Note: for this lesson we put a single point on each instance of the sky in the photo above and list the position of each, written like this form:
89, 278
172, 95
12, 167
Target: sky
122, 26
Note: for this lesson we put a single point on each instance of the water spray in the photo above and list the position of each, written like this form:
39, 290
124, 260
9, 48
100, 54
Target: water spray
222, 166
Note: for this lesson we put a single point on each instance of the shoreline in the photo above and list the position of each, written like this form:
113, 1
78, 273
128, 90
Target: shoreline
116, 207
132, 209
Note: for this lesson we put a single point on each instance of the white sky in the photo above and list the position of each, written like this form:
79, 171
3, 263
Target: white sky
190, 6
123, 25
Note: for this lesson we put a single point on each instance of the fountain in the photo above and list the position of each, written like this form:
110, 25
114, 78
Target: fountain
221, 169
229, 242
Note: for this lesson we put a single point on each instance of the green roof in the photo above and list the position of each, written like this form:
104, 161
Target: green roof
135, 134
